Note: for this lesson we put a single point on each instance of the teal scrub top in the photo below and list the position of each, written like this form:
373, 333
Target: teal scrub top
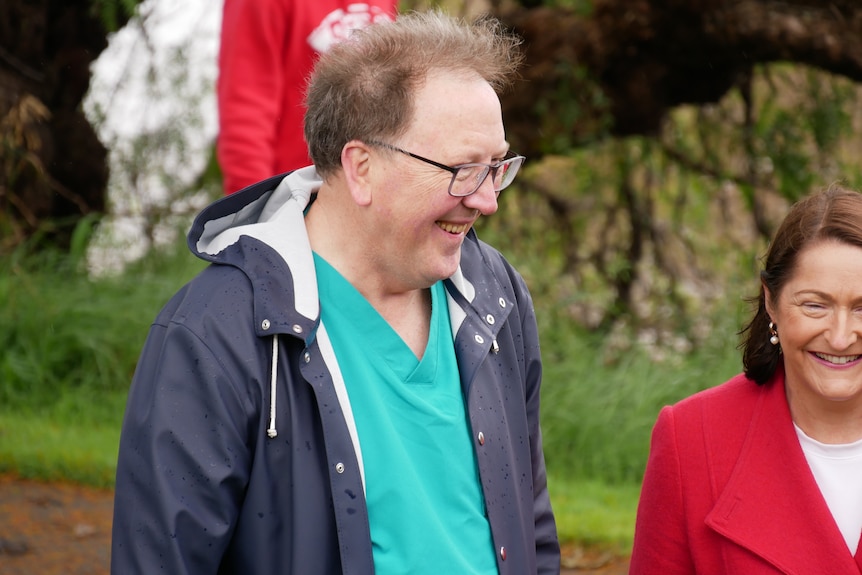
425, 503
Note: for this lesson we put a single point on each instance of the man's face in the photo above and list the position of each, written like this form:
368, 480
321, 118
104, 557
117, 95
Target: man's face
457, 121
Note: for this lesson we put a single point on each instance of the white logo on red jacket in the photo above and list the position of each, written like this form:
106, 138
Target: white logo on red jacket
338, 24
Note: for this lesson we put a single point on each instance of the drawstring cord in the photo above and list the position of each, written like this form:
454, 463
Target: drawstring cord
272, 431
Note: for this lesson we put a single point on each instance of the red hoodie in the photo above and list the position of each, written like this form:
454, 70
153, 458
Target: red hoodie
268, 49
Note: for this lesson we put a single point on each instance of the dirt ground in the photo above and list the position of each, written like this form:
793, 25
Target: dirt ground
62, 529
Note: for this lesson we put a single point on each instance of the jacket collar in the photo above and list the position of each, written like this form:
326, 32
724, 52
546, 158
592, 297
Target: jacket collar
231, 230
772, 505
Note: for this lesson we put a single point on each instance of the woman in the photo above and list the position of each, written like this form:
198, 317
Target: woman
763, 474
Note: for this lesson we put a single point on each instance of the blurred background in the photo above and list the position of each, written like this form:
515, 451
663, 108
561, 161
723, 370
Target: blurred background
665, 139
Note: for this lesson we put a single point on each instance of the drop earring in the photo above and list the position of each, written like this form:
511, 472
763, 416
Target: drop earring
773, 339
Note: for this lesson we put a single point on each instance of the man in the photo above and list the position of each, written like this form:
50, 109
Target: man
353, 386
266, 52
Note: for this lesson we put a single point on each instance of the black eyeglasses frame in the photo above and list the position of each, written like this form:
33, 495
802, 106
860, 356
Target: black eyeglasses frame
489, 168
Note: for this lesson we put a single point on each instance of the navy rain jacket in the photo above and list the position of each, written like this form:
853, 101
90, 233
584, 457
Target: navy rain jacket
239, 453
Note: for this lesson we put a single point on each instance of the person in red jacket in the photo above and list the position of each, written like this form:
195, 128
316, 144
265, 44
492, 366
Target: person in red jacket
763, 475
268, 48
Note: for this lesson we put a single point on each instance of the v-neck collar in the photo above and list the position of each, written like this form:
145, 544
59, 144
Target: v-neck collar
341, 300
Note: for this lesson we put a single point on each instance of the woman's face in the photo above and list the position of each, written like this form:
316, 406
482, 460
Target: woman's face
818, 316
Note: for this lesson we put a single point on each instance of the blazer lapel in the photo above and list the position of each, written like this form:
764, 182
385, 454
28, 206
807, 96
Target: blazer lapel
772, 505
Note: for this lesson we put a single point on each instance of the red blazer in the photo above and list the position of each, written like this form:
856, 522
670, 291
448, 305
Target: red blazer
727, 490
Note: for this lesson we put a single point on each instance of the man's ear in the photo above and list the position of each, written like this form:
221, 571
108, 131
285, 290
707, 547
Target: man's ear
356, 163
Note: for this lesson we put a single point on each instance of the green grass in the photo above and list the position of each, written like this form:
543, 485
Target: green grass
594, 513
68, 349
61, 331
597, 416
52, 445
69, 344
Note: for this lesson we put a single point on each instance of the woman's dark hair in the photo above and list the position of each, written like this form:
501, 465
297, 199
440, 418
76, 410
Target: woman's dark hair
831, 214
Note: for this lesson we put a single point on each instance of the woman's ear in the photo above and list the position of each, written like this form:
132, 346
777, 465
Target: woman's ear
357, 165
768, 301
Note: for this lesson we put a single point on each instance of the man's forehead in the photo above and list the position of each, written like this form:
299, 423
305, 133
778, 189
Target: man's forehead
457, 104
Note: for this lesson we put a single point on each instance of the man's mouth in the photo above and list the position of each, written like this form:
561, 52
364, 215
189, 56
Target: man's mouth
453, 228
837, 359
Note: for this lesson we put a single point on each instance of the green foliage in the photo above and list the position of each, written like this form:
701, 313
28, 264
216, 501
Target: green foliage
114, 13
575, 108
59, 443
82, 236
804, 118
582, 8
646, 233
783, 140
62, 331
599, 405
594, 513
618, 237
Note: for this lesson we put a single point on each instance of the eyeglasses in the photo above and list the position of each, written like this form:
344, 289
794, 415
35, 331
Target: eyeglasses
467, 178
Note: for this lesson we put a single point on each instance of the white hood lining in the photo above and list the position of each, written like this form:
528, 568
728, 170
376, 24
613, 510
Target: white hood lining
280, 224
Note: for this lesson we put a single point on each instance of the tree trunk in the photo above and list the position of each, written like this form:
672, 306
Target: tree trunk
619, 69
53, 170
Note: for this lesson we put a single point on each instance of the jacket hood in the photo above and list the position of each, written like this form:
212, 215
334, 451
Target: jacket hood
272, 212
